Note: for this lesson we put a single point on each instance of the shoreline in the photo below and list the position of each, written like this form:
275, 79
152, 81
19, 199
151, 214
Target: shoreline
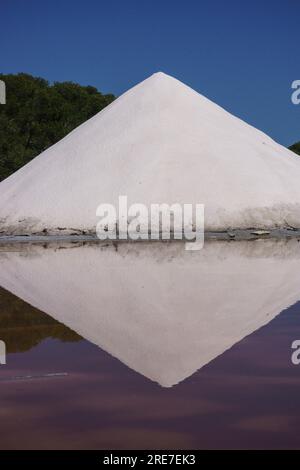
229, 235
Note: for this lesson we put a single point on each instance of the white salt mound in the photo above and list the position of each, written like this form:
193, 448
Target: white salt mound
160, 142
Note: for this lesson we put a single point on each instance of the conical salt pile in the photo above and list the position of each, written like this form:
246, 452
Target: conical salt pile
161, 142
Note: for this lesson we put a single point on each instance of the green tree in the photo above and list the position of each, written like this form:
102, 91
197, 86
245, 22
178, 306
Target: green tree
37, 115
295, 148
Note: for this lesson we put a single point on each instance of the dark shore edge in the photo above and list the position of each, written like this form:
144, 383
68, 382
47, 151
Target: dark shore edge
226, 235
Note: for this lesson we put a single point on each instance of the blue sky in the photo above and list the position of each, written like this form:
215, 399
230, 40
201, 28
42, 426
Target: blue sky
243, 55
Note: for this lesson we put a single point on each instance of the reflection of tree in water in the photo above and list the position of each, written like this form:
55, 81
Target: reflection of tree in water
22, 326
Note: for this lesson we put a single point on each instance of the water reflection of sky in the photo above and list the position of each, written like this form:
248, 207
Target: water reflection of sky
246, 397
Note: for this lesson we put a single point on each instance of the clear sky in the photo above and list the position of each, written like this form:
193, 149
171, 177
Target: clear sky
242, 54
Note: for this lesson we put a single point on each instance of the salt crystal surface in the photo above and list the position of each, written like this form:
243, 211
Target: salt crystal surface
160, 142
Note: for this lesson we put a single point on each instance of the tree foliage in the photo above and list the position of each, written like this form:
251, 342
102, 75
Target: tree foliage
38, 114
295, 148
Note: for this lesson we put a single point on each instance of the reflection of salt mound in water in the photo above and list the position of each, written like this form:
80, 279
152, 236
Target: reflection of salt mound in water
161, 142
161, 310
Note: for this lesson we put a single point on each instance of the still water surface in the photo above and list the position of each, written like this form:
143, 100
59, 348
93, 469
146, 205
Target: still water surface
146, 345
